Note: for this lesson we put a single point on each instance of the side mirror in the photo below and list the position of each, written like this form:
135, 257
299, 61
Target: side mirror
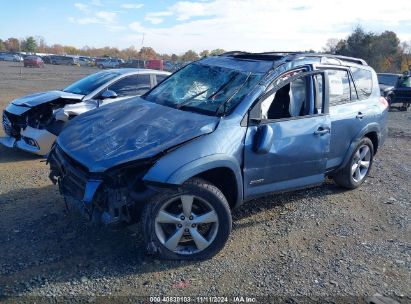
108, 94
263, 139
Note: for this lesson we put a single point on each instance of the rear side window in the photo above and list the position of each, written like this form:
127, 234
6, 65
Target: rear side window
339, 87
363, 82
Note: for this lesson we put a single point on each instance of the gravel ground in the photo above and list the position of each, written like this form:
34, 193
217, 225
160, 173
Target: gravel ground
315, 243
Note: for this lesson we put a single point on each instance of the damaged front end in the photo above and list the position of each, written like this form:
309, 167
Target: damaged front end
32, 129
109, 198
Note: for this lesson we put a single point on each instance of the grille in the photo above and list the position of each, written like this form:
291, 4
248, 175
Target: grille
73, 175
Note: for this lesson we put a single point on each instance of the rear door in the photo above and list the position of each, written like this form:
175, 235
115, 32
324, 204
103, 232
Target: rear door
349, 112
295, 113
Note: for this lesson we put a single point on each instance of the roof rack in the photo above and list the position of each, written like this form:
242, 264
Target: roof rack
290, 56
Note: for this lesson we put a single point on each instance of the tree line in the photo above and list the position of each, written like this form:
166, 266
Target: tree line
384, 51
38, 45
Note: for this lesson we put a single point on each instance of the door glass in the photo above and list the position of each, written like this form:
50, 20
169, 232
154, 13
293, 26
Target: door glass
132, 85
291, 100
339, 87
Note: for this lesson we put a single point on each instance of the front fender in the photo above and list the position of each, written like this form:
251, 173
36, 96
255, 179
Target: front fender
160, 172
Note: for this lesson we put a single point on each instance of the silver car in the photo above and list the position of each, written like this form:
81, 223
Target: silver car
10, 57
32, 123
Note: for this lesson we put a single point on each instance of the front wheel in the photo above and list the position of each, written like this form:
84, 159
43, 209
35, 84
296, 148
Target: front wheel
358, 167
192, 222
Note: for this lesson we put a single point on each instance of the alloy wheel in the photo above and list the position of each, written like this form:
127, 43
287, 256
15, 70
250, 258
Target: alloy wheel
186, 224
361, 163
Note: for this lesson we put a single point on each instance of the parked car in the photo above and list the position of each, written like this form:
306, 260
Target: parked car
10, 57
63, 60
33, 122
218, 132
133, 63
33, 61
396, 88
109, 63
84, 61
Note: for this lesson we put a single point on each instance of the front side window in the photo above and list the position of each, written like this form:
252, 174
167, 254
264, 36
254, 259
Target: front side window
90, 83
207, 89
132, 85
291, 100
363, 82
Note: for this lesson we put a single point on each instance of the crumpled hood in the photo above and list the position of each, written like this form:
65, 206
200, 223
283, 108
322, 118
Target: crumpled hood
129, 130
44, 97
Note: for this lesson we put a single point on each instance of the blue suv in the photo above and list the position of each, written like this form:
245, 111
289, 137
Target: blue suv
216, 133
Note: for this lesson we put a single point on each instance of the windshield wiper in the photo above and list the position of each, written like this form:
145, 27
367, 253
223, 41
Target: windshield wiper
222, 87
186, 102
224, 104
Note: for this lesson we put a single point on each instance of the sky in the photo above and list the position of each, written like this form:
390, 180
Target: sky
176, 26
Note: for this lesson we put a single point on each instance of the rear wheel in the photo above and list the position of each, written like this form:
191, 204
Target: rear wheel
358, 167
192, 222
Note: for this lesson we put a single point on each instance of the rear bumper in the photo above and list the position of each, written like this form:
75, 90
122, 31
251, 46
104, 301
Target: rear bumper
32, 140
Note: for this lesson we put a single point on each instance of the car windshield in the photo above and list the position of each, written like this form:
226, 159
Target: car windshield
88, 84
203, 88
405, 82
389, 80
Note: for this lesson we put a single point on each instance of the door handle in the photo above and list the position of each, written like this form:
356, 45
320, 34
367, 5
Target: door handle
322, 131
360, 115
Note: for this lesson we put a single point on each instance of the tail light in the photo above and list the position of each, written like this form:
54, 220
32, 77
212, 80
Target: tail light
384, 102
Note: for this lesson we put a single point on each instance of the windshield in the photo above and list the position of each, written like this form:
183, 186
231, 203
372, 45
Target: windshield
389, 80
88, 84
205, 89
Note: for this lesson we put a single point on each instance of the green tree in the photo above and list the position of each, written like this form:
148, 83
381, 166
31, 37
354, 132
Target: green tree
29, 45
2, 45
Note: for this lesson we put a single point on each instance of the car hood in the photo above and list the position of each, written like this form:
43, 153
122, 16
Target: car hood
44, 97
384, 87
130, 130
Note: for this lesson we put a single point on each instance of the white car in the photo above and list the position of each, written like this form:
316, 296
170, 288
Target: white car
32, 123
10, 57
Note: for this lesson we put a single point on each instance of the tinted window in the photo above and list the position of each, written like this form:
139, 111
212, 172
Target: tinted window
339, 87
363, 82
132, 85
90, 83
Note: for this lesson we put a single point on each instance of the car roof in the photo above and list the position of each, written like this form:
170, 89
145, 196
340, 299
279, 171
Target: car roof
124, 71
294, 56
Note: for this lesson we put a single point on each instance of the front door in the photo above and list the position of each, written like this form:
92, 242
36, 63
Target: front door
288, 137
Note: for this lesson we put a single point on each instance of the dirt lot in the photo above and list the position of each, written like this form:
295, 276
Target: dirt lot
321, 242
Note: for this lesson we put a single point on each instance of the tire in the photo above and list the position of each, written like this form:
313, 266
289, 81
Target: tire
100, 66
193, 239
347, 177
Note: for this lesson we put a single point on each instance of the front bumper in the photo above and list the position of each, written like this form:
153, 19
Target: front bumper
32, 140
